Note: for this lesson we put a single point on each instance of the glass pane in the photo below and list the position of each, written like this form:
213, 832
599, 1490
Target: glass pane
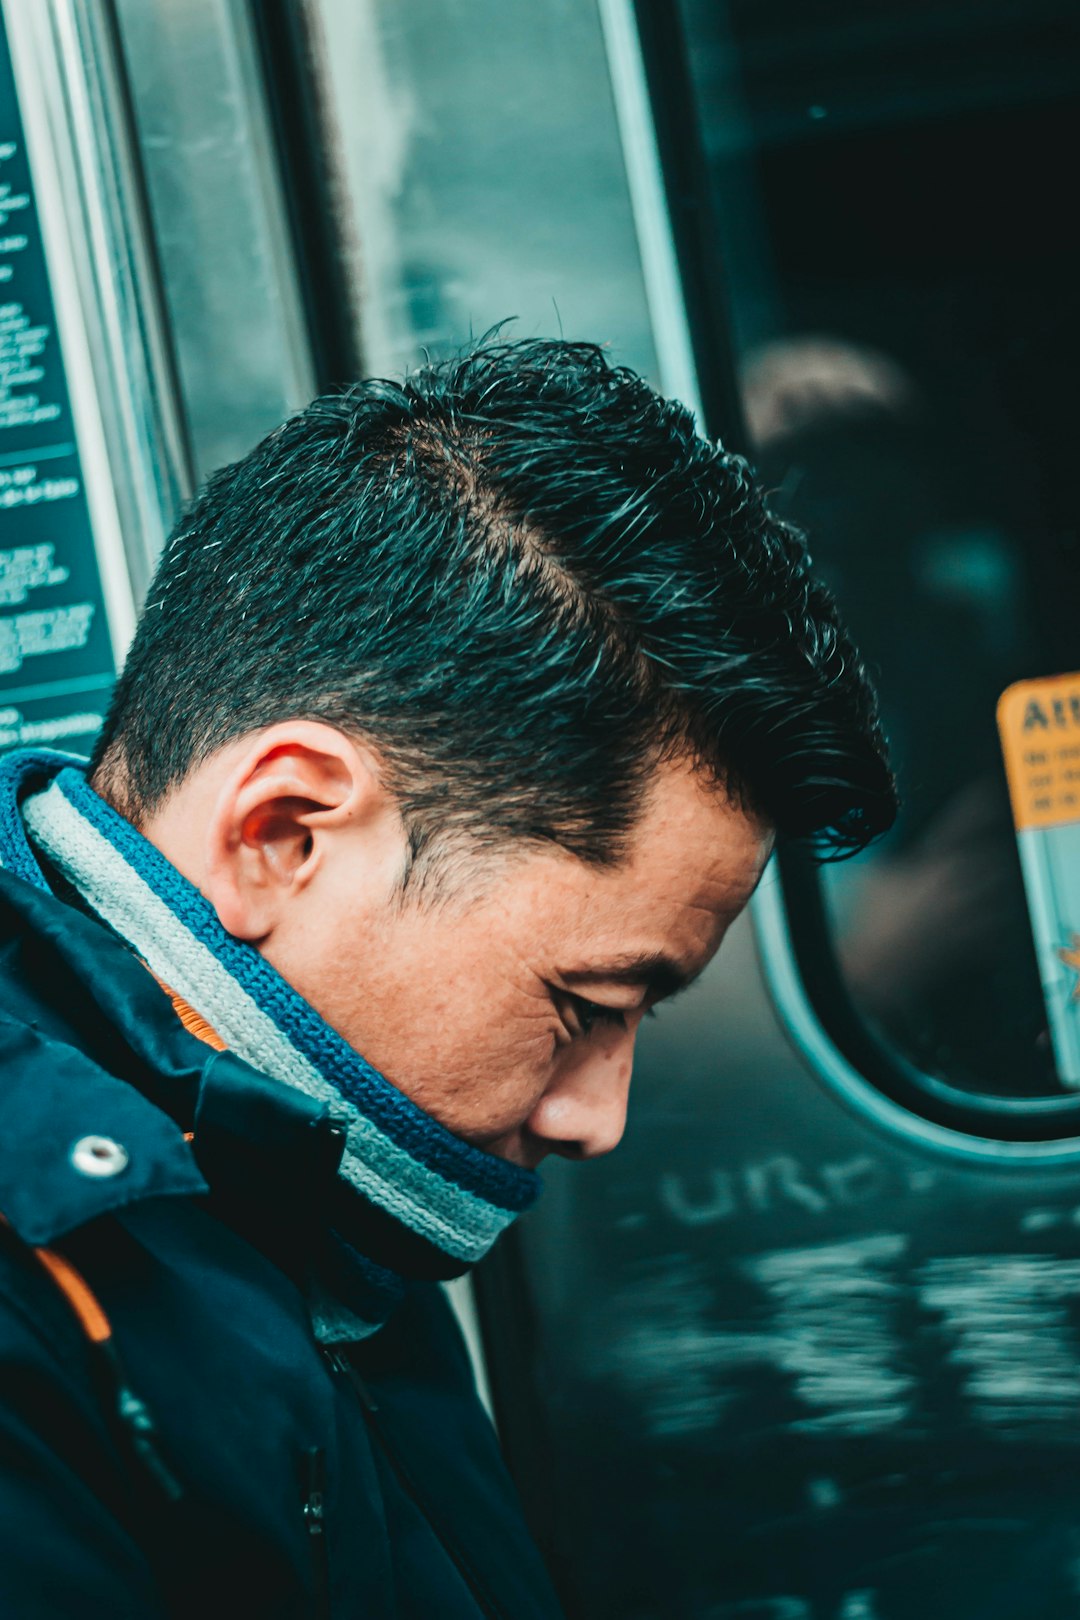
887, 186
481, 175
229, 282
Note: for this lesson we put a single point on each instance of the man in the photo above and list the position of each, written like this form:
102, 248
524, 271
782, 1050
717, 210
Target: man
457, 729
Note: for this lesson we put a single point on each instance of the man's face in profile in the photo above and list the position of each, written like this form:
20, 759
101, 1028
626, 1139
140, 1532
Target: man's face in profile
506, 1001
513, 1020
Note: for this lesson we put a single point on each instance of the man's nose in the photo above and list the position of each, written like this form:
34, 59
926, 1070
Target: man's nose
582, 1114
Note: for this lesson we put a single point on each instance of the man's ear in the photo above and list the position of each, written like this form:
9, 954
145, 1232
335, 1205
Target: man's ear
299, 787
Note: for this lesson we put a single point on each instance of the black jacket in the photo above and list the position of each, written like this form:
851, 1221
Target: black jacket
172, 1438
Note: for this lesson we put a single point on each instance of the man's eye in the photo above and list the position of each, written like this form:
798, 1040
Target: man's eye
582, 1016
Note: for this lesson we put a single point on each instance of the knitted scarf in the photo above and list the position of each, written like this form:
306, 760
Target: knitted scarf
415, 1200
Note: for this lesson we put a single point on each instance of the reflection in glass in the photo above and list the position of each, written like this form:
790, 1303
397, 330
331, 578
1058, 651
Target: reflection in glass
897, 268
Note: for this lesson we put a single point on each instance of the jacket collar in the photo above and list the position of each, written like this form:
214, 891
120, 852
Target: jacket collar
103, 1055
55, 1105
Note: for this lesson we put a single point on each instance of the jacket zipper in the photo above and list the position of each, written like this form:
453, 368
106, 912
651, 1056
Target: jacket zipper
341, 1364
315, 1523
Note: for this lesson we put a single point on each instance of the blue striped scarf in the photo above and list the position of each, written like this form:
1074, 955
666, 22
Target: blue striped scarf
415, 1200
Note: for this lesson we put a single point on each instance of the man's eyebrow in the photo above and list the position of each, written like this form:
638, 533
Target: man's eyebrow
659, 974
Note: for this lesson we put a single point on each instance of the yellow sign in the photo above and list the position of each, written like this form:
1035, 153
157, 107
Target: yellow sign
1039, 723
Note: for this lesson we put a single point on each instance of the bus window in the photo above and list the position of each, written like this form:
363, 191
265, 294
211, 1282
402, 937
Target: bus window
886, 190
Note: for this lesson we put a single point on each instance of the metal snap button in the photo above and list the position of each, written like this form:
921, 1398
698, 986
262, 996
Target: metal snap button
99, 1156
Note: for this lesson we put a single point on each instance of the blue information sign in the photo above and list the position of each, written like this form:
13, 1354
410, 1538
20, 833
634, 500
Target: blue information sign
56, 657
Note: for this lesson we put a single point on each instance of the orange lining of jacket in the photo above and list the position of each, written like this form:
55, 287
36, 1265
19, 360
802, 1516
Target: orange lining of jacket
76, 1290
193, 1022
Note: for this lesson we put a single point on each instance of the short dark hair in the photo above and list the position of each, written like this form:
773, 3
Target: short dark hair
524, 578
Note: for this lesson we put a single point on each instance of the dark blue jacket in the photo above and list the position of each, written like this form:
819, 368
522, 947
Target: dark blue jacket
172, 1438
